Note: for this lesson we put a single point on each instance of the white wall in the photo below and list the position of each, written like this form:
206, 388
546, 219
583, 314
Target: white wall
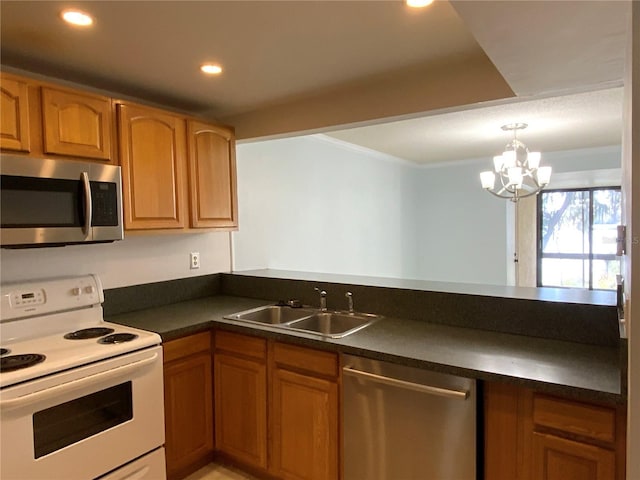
314, 204
134, 260
586, 159
311, 204
463, 230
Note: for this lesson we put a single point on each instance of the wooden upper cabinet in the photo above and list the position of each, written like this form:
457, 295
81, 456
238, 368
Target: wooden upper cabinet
76, 124
212, 176
153, 158
14, 115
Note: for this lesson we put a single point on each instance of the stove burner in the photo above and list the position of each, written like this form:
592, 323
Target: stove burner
86, 333
4, 351
16, 362
117, 338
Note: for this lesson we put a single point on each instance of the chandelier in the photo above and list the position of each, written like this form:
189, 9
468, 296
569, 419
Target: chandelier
518, 170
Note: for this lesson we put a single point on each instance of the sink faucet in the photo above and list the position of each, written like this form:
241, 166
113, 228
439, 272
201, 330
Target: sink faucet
323, 299
349, 296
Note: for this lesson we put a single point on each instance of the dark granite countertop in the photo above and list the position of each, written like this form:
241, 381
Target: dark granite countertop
581, 371
546, 294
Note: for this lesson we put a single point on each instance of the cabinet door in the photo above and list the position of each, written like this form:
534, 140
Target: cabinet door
76, 124
152, 155
240, 392
507, 432
188, 411
304, 427
212, 176
556, 458
14, 115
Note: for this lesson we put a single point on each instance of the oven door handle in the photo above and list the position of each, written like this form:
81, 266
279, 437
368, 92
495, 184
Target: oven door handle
74, 385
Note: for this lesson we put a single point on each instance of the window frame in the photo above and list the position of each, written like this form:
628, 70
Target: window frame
590, 256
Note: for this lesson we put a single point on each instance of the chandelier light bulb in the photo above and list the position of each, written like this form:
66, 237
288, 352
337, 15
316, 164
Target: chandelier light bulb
515, 176
488, 179
533, 160
544, 176
509, 158
498, 161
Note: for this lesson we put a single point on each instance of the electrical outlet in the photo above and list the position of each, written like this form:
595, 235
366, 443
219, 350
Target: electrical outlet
195, 260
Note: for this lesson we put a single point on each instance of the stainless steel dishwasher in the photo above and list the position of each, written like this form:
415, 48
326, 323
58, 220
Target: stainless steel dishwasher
404, 423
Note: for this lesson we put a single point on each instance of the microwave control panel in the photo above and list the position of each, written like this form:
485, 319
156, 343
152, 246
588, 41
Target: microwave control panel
104, 198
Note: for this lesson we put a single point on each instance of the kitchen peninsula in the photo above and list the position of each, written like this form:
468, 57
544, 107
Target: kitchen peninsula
534, 351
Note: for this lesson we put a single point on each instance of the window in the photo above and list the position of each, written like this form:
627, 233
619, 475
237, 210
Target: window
577, 238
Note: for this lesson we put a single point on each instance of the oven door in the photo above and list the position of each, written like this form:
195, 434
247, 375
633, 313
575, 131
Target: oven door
84, 422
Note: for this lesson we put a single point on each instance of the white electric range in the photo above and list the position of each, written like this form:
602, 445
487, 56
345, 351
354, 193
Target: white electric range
80, 398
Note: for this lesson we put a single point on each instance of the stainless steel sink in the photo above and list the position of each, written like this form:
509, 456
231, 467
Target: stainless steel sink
308, 320
272, 314
334, 324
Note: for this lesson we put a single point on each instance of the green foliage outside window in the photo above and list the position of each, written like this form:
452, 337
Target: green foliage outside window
577, 238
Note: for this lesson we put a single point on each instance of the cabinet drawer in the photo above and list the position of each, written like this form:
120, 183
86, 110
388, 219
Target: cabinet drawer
300, 358
183, 347
593, 421
241, 344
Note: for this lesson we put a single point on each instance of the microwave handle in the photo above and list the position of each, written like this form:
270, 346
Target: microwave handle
88, 207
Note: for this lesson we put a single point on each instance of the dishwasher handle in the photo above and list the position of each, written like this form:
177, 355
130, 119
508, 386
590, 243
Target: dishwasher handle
416, 387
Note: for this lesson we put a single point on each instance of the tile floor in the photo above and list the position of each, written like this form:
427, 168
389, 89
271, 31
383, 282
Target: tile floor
213, 471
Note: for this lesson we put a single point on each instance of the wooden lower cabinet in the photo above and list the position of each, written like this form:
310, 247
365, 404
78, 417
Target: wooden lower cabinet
241, 409
304, 416
535, 436
188, 404
556, 458
276, 407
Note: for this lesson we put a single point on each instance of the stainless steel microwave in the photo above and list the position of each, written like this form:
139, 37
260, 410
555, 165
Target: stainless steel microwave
47, 202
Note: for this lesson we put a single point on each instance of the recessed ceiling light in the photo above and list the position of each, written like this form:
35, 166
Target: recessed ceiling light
418, 3
76, 17
211, 69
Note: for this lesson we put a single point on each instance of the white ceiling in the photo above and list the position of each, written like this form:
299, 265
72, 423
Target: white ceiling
280, 52
583, 120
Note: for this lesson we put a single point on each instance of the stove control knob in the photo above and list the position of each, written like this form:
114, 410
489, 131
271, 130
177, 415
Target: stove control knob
75, 291
89, 289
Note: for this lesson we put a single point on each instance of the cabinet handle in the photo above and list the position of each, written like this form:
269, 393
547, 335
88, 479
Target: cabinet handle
416, 387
